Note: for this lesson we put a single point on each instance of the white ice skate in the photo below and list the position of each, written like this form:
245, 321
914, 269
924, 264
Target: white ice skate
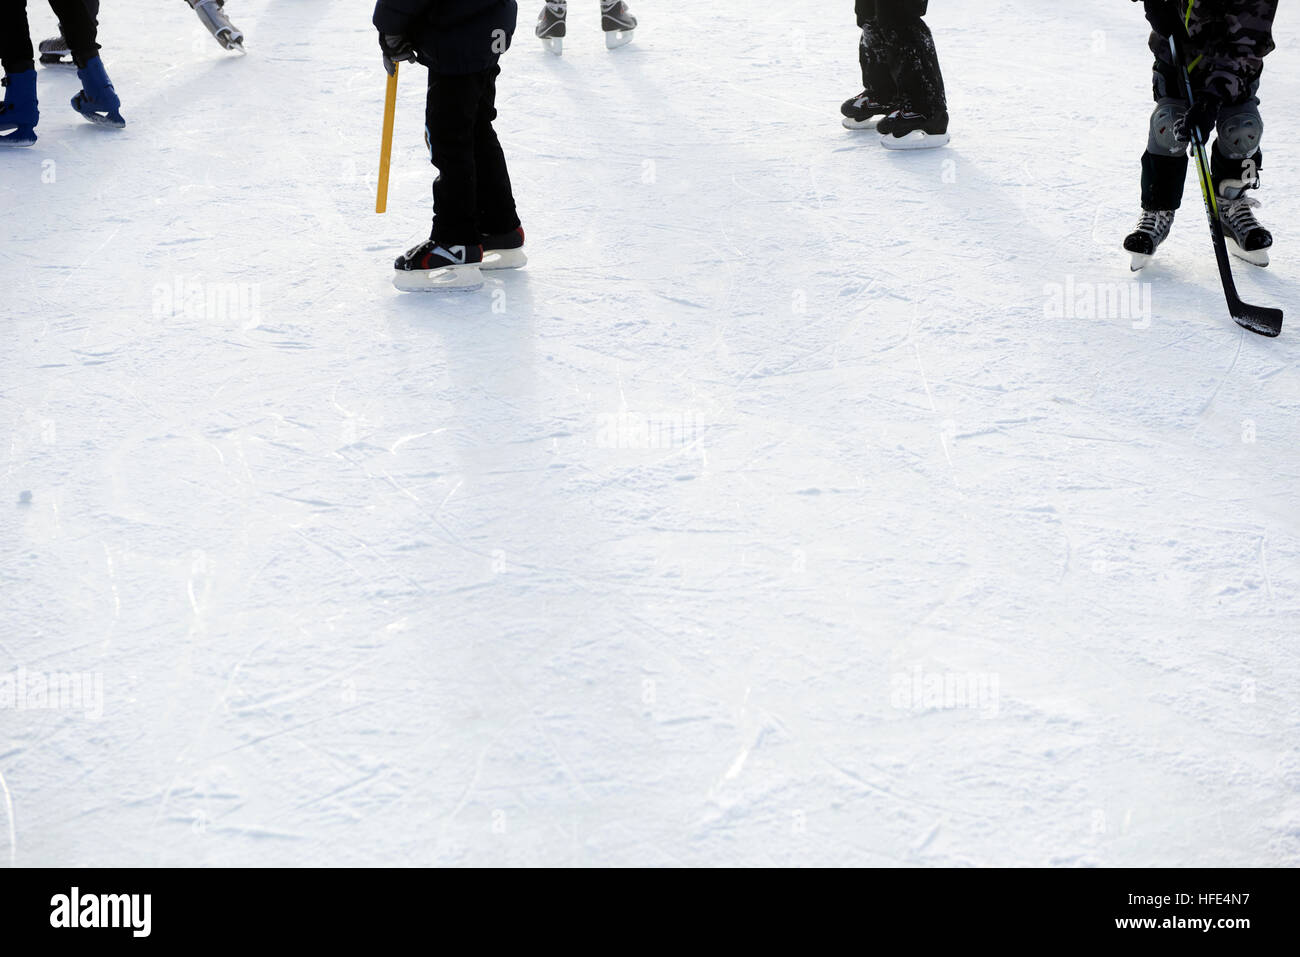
617, 22
551, 26
430, 267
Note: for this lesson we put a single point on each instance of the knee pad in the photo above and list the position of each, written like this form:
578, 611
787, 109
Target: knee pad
1167, 117
1240, 130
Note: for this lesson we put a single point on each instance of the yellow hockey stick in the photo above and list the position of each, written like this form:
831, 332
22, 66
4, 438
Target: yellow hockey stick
386, 146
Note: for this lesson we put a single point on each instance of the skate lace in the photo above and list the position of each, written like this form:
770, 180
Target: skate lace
1237, 214
1154, 221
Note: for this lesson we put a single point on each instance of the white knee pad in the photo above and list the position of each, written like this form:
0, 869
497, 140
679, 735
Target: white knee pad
1240, 130
1165, 120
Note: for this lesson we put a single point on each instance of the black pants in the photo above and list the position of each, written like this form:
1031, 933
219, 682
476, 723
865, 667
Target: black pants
471, 195
76, 17
900, 67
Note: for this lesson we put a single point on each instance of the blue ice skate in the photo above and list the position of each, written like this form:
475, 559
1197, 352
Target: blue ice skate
19, 113
97, 100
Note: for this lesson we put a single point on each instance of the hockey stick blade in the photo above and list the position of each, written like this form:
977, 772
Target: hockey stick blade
1259, 319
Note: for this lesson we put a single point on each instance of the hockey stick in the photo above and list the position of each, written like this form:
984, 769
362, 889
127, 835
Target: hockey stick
386, 145
1259, 319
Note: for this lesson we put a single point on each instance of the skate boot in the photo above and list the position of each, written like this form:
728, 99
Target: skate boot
1247, 239
862, 112
19, 113
1152, 230
909, 130
617, 22
54, 50
97, 100
212, 15
551, 27
504, 250
430, 267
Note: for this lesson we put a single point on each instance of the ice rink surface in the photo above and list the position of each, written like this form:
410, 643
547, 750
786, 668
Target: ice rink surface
800, 503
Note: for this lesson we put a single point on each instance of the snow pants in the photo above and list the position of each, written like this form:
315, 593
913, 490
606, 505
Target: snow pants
472, 196
900, 67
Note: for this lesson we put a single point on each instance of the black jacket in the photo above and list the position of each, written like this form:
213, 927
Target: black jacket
451, 36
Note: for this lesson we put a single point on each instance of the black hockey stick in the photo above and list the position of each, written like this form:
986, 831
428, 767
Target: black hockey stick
1259, 319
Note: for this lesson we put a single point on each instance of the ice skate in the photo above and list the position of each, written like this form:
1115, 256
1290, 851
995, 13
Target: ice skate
617, 22
213, 16
54, 50
907, 130
431, 267
98, 101
1247, 239
862, 112
18, 112
1152, 230
551, 27
504, 250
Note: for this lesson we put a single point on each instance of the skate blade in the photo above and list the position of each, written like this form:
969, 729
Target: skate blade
231, 41
618, 38
1258, 257
553, 45
1138, 261
112, 121
915, 140
49, 59
19, 139
851, 124
504, 259
446, 279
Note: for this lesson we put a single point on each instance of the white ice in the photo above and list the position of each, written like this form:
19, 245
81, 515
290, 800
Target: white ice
638, 555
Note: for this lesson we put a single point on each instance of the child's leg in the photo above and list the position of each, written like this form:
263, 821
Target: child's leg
496, 200
80, 28
15, 39
877, 79
451, 112
1164, 164
1237, 159
913, 60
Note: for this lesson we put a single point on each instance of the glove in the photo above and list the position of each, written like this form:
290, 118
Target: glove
1163, 16
396, 50
1202, 116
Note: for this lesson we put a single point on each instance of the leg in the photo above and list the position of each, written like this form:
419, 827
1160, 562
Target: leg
15, 39
80, 28
877, 80
1237, 158
496, 201
913, 60
1164, 164
1235, 163
451, 114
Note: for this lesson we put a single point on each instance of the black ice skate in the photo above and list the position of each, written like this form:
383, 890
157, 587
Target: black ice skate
53, 52
617, 22
430, 267
1247, 239
1152, 230
908, 130
862, 112
212, 15
504, 250
551, 28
